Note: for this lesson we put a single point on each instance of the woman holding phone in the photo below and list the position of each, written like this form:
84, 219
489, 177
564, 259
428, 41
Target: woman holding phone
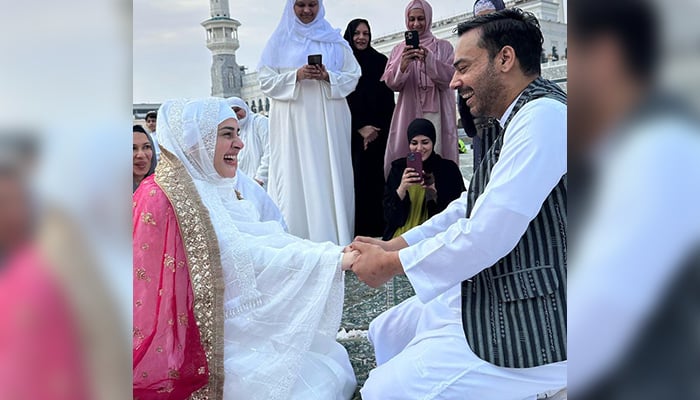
422, 77
307, 69
412, 196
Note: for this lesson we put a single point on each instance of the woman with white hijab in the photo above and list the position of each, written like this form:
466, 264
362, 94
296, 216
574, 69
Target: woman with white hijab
254, 159
310, 176
227, 305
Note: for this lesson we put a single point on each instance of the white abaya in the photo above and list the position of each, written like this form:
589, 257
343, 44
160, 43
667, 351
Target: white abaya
310, 176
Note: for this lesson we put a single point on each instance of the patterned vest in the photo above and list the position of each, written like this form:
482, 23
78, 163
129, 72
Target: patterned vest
487, 130
514, 313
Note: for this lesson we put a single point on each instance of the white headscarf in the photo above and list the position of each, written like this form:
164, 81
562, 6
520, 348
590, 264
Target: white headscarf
238, 102
293, 41
188, 129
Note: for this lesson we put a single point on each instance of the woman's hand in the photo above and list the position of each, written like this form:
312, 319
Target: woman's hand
316, 72
409, 178
349, 258
369, 134
409, 55
323, 74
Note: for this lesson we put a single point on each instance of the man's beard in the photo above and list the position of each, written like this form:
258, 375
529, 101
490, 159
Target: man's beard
489, 93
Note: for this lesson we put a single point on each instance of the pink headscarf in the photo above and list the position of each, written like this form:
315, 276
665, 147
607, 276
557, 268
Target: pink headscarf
427, 39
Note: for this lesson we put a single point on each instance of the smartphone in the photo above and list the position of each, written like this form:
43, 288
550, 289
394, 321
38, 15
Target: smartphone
315, 59
414, 160
412, 39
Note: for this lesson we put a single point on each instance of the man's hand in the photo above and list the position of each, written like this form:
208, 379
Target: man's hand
374, 266
395, 244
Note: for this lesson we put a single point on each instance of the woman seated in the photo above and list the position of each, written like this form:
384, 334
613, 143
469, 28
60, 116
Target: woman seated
411, 197
226, 303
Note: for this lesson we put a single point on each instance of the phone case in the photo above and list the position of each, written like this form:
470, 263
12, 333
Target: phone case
412, 39
315, 59
414, 160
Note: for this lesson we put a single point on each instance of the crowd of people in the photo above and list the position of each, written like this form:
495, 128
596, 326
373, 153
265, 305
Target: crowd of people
244, 225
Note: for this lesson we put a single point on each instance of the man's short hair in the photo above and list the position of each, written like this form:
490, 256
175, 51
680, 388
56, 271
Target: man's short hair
139, 128
152, 114
632, 23
510, 27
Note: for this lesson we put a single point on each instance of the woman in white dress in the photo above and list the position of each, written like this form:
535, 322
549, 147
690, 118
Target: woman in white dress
267, 305
310, 175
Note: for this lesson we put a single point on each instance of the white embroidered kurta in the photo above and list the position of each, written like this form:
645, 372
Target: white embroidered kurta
310, 176
251, 190
420, 342
285, 349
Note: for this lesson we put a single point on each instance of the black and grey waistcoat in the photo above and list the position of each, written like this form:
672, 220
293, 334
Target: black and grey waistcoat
514, 312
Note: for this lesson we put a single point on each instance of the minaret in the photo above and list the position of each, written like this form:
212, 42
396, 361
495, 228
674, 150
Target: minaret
222, 40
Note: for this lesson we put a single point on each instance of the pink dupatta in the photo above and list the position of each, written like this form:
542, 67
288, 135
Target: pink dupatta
169, 360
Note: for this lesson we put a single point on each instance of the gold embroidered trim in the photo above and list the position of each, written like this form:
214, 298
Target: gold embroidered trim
203, 258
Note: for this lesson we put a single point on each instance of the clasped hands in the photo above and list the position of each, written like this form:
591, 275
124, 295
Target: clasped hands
373, 261
316, 72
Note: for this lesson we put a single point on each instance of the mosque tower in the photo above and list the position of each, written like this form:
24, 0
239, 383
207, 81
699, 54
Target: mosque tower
222, 41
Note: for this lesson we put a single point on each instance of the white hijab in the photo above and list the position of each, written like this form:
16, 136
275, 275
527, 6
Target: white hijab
238, 102
188, 129
293, 41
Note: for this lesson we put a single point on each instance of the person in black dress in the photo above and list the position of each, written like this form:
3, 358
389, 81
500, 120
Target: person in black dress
371, 105
412, 197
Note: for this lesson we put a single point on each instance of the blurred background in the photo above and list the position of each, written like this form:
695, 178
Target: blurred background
634, 158
65, 251
634, 164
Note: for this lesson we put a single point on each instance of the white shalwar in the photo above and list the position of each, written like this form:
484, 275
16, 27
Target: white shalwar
310, 176
420, 345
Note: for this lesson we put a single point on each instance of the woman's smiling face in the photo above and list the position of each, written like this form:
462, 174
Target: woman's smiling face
306, 10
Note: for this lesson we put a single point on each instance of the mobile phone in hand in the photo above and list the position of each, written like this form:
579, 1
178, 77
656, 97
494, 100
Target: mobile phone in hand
414, 160
412, 40
315, 59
